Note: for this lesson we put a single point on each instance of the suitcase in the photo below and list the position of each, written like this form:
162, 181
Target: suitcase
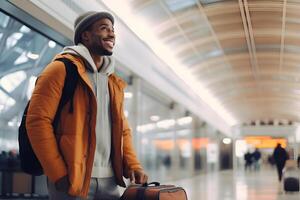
291, 176
155, 192
291, 184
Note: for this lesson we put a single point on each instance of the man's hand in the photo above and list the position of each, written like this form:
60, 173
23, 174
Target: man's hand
62, 184
138, 177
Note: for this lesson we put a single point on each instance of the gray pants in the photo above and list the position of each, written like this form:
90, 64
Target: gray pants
100, 189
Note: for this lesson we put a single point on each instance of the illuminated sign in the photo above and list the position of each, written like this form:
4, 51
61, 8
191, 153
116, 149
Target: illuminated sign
265, 141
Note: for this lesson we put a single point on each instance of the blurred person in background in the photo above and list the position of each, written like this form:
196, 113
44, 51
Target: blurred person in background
256, 156
280, 157
248, 160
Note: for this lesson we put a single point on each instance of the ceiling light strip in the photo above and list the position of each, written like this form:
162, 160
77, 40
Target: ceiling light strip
245, 24
253, 48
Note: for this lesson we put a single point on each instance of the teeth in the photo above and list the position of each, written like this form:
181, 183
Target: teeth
109, 43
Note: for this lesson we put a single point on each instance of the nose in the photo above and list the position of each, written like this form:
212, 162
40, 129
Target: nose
111, 33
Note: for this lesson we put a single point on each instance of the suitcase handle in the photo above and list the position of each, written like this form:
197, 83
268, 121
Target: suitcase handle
152, 183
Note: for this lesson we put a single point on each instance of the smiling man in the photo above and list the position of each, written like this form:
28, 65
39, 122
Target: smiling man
89, 151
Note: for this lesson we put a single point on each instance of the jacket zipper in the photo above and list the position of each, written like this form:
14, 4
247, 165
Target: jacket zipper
87, 155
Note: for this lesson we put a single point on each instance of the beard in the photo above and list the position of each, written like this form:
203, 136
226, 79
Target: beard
97, 47
99, 50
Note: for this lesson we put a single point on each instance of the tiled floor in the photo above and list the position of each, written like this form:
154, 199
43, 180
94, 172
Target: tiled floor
229, 185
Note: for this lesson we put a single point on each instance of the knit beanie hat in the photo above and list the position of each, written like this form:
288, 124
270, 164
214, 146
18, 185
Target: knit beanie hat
85, 20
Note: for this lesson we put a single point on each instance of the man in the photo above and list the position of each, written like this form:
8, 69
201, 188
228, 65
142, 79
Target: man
280, 157
92, 149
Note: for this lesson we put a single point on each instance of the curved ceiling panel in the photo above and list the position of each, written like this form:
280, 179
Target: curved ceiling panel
246, 53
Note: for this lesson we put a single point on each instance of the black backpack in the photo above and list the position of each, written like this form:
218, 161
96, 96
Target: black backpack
29, 162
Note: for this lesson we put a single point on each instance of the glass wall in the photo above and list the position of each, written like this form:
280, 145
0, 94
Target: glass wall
23, 54
163, 132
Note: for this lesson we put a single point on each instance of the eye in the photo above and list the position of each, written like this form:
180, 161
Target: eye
106, 28
102, 27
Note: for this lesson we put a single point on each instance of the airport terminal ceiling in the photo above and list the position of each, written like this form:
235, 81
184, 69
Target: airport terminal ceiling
245, 53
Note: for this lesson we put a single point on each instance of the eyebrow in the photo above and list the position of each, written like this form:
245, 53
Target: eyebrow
105, 24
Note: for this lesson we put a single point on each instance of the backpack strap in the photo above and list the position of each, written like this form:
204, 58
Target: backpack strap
70, 84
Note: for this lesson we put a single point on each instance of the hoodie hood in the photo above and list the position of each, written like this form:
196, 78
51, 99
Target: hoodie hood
108, 66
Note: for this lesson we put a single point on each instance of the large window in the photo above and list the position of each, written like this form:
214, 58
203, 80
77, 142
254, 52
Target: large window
23, 54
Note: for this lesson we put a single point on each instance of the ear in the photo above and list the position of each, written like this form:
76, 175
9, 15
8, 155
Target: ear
85, 36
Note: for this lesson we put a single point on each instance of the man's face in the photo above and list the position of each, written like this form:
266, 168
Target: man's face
101, 38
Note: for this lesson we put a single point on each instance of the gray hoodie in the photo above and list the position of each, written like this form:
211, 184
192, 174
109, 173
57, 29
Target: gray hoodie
102, 164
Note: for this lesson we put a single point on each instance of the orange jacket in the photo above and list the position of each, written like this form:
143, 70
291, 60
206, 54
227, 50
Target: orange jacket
71, 151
